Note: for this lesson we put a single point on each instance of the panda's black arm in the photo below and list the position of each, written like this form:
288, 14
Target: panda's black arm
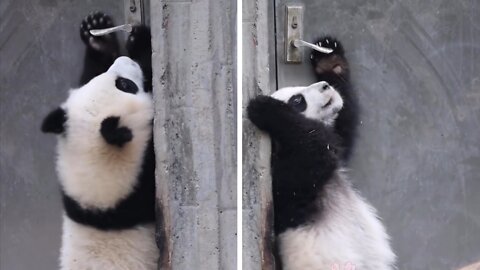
335, 70
139, 47
101, 51
94, 64
287, 126
347, 120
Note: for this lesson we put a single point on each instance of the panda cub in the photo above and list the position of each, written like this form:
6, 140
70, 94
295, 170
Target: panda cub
105, 158
321, 222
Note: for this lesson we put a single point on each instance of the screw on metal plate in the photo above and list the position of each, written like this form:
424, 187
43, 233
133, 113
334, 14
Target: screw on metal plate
294, 35
134, 11
293, 31
294, 22
133, 7
101, 32
297, 43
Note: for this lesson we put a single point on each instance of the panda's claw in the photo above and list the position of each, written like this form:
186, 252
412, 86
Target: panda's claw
332, 62
105, 44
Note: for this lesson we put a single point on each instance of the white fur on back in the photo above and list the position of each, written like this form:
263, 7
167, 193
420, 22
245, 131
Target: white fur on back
86, 248
346, 235
92, 172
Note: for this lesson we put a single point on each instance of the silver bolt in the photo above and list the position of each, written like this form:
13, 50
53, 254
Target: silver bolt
132, 6
294, 22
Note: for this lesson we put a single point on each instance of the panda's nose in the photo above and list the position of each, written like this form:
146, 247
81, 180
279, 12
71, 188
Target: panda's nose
124, 61
126, 67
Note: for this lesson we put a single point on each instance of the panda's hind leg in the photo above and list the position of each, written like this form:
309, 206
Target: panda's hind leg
139, 48
101, 51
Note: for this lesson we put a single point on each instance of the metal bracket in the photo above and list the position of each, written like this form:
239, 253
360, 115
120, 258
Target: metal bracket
294, 35
134, 12
293, 31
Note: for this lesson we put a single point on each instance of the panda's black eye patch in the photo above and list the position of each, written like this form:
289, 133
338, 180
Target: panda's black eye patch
126, 85
298, 103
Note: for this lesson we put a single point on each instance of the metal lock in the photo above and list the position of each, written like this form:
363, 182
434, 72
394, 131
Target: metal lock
134, 14
294, 35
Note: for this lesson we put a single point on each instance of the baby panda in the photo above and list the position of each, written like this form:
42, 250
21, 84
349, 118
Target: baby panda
105, 158
321, 222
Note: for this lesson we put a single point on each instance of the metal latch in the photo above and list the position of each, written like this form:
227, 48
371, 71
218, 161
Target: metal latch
294, 35
134, 14
135, 11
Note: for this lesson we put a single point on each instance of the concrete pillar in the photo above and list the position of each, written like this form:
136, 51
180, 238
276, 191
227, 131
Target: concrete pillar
195, 132
258, 78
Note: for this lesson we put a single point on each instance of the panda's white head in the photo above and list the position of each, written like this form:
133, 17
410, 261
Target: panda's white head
319, 101
96, 173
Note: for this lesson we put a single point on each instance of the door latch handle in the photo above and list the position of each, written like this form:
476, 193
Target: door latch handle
134, 14
297, 43
294, 35
101, 32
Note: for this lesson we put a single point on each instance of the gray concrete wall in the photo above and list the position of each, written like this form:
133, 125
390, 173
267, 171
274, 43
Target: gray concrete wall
416, 68
258, 78
41, 56
195, 132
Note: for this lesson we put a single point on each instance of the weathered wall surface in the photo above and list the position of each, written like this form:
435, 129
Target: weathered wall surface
40, 59
258, 78
195, 132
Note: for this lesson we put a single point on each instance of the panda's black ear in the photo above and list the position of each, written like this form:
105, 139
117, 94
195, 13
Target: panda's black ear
55, 121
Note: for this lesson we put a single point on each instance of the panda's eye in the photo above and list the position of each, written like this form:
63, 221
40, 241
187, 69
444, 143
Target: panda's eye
298, 103
126, 85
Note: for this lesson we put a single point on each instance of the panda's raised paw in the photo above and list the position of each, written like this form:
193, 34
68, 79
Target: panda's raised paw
331, 62
113, 133
139, 41
107, 43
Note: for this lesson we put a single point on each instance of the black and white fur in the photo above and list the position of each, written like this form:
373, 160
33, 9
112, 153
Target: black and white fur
321, 222
105, 158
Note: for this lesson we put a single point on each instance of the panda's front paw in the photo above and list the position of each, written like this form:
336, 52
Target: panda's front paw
107, 44
265, 111
113, 133
139, 41
332, 62
331, 105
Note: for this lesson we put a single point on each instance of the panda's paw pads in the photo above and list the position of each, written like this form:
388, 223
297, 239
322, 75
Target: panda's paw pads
98, 20
332, 104
327, 62
113, 133
139, 40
